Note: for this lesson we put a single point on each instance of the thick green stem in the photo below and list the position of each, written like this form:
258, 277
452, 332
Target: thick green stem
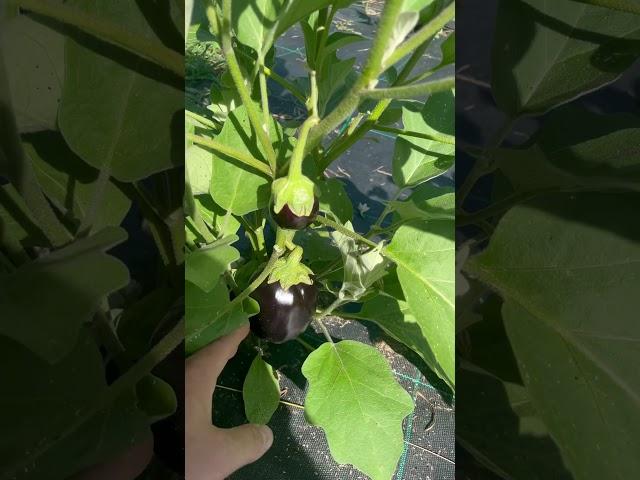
203, 120
264, 98
295, 168
372, 69
387, 209
110, 32
345, 231
122, 385
425, 33
442, 138
243, 91
410, 91
231, 152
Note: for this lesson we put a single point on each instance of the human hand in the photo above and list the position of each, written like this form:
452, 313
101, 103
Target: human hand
214, 453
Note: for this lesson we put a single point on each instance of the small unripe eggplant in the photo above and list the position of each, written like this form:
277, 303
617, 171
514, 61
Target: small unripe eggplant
285, 218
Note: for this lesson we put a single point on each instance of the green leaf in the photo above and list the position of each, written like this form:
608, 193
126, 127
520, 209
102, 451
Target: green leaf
334, 199
575, 293
52, 397
224, 222
205, 266
35, 71
427, 202
234, 186
69, 183
395, 318
416, 160
355, 379
261, 392
547, 53
424, 254
258, 23
338, 40
361, 270
207, 315
518, 445
199, 168
131, 136
332, 79
19, 230
448, 49
404, 24
156, 398
49, 326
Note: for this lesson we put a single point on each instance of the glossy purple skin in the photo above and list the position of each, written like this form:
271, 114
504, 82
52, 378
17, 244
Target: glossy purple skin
284, 314
285, 218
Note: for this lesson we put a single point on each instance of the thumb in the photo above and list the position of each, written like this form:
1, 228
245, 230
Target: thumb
246, 444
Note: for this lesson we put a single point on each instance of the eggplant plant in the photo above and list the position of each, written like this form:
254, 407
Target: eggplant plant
270, 239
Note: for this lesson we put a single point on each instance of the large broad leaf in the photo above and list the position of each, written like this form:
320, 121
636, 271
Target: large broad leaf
53, 398
416, 160
546, 53
260, 392
234, 186
575, 293
69, 183
203, 267
355, 398
35, 70
424, 254
44, 303
258, 23
138, 130
208, 316
199, 167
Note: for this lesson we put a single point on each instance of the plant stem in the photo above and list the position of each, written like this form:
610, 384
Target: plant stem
437, 137
264, 98
385, 212
124, 383
483, 166
240, 83
295, 168
345, 231
429, 30
415, 90
313, 99
372, 69
231, 152
347, 142
110, 32
199, 118
295, 91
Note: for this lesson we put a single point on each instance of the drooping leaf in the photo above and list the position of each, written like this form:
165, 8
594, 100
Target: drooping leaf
334, 199
575, 293
203, 267
121, 135
361, 270
208, 316
53, 397
424, 255
53, 280
546, 53
416, 160
355, 398
261, 392
234, 186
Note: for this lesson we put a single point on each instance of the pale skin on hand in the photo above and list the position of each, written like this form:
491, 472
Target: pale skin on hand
214, 453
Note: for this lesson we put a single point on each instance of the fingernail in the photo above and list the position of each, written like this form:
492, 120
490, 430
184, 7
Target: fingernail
267, 435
